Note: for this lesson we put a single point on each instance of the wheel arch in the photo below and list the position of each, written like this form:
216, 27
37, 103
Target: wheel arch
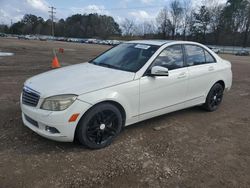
119, 106
217, 82
115, 103
207, 105
221, 82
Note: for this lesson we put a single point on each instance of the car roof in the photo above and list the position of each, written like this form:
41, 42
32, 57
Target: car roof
160, 42
151, 42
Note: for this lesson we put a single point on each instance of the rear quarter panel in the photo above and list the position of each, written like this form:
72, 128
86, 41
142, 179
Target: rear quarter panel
227, 74
223, 73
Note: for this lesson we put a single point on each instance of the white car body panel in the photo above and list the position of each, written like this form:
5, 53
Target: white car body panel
141, 97
126, 94
77, 79
58, 120
200, 77
163, 89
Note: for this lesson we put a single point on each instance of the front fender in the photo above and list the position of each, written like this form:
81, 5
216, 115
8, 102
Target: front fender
126, 94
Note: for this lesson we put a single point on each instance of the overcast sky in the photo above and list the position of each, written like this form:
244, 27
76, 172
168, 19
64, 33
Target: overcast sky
138, 10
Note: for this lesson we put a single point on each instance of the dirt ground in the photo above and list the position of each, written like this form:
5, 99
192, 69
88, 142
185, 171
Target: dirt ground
189, 148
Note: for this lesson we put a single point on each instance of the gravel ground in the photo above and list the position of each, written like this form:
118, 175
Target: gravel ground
188, 148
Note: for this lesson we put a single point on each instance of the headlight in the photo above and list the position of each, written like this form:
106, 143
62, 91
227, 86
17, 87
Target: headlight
58, 103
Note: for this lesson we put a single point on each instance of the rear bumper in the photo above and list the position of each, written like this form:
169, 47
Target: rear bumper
229, 81
37, 120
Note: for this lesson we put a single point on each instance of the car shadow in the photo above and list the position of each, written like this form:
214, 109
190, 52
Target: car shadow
31, 143
155, 120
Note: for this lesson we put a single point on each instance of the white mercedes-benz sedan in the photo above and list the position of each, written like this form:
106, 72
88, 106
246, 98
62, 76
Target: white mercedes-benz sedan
134, 81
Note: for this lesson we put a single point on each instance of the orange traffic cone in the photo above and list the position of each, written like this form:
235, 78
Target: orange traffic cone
61, 50
55, 62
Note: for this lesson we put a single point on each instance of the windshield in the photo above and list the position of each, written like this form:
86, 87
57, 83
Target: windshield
127, 57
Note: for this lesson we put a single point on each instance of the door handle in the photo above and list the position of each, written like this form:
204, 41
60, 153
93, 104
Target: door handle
211, 68
182, 75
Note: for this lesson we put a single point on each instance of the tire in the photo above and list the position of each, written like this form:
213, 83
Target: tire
214, 98
99, 126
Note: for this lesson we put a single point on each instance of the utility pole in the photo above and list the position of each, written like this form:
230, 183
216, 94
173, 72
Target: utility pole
52, 16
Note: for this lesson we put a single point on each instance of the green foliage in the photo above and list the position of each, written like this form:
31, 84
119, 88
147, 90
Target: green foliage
225, 24
78, 26
4, 29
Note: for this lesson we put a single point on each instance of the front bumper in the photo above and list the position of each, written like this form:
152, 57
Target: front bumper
37, 120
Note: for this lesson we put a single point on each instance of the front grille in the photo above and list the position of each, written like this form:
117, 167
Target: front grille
30, 97
31, 121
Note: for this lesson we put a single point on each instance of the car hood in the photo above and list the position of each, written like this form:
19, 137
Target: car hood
77, 79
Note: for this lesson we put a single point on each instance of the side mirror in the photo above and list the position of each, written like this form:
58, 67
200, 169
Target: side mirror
159, 71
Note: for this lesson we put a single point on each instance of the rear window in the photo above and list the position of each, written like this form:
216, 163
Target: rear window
196, 55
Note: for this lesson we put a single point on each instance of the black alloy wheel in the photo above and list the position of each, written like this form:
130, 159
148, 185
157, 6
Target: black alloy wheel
214, 97
100, 126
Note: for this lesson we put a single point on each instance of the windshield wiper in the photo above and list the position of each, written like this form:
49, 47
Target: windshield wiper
93, 62
107, 65
110, 66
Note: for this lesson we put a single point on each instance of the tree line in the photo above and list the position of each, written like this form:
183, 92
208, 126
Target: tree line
209, 23
77, 26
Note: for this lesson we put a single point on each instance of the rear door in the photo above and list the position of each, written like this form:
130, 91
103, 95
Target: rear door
202, 71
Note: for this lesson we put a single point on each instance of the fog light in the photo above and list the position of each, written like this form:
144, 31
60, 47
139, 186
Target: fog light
51, 130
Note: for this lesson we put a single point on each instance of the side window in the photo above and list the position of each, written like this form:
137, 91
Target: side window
171, 58
194, 55
209, 57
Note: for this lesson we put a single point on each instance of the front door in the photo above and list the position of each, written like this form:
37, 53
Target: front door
161, 92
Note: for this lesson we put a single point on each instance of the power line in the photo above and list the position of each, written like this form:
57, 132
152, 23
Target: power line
52, 16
